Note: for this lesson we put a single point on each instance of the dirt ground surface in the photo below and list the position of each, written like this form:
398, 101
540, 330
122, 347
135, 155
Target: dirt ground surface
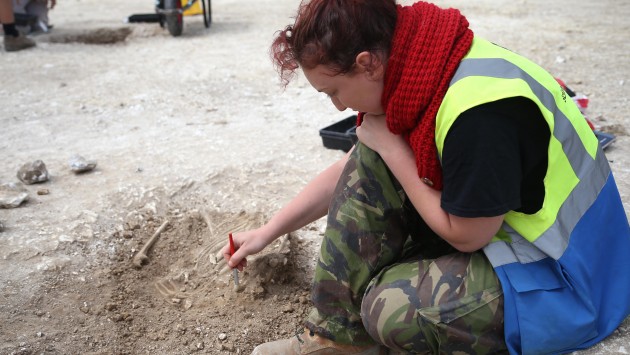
196, 132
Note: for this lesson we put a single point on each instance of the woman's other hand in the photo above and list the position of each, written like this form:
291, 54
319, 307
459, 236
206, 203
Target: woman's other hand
373, 132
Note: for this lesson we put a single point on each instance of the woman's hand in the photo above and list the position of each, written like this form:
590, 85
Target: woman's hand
245, 244
309, 205
373, 132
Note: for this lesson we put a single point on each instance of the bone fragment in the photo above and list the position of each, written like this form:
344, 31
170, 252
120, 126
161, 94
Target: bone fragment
142, 257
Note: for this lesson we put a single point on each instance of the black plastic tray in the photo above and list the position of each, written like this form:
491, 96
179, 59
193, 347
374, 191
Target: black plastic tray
340, 135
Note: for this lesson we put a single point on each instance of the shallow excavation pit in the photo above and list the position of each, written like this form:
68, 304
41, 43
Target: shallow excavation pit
91, 36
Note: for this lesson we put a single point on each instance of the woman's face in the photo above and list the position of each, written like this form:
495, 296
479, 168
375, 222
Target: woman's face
359, 91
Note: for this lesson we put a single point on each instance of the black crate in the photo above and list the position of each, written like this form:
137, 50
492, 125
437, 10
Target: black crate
340, 135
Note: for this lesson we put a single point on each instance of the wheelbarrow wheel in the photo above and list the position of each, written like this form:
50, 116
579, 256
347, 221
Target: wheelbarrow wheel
207, 12
174, 19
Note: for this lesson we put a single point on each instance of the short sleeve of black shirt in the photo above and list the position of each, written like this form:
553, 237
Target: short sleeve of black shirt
494, 159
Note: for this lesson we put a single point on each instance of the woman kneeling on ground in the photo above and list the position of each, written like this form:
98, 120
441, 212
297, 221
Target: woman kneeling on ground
477, 213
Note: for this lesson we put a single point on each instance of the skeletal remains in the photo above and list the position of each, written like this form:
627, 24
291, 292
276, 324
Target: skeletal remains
142, 257
165, 288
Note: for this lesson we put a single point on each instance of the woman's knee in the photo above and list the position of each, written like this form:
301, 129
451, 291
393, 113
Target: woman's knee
408, 315
374, 314
389, 313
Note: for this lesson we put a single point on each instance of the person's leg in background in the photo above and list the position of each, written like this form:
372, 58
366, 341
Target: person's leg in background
36, 13
13, 40
40, 9
23, 21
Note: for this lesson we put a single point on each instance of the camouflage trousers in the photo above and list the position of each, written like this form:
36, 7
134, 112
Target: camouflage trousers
383, 276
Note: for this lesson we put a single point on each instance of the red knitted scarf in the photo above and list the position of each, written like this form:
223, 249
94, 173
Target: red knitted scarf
428, 45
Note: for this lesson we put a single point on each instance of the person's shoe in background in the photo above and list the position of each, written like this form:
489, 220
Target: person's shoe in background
17, 43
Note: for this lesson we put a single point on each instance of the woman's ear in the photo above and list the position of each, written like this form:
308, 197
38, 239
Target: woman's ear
370, 64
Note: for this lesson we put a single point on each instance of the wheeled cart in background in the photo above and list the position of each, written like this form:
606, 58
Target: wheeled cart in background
171, 13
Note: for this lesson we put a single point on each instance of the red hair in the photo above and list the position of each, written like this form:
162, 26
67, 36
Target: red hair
332, 33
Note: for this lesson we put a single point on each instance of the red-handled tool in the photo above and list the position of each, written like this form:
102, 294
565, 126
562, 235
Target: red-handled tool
234, 270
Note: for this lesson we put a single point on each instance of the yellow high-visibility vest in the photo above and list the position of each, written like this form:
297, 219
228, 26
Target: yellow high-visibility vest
564, 270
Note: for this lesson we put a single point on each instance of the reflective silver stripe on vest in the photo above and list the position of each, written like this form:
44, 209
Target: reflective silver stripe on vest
554, 240
591, 173
563, 129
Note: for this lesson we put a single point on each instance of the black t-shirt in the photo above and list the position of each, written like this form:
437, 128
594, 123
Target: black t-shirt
494, 159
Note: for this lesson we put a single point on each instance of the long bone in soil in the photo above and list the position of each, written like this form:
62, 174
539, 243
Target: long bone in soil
142, 257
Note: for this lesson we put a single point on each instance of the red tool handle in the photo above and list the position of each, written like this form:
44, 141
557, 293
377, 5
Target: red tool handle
231, 245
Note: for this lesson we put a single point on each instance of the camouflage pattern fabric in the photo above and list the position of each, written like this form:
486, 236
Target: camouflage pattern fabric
421, 295
449, 305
